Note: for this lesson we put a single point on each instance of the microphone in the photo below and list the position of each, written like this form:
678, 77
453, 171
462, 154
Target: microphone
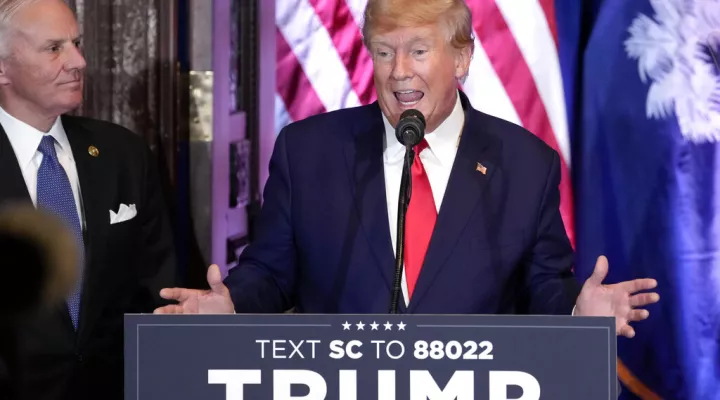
713, 44
409, 131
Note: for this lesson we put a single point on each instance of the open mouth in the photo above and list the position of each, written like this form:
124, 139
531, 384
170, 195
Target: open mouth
409, 98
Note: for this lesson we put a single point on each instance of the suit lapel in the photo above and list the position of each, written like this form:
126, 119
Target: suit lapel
364, 156
13, 189
464, 191
12, 183
96, 192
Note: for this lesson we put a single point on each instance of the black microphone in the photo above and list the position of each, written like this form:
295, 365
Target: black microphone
713, 44
409, 131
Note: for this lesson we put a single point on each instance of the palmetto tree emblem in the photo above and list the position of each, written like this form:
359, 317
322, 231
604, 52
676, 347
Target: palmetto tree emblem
672, 54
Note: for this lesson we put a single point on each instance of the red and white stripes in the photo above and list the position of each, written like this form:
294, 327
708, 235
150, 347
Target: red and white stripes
515, 72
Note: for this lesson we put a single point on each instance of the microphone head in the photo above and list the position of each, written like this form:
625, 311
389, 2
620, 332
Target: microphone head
410, 130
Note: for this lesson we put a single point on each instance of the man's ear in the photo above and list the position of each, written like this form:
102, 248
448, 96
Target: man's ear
462, 61
4, 80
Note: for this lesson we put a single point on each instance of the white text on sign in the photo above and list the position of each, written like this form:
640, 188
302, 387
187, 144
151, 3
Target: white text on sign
423, 386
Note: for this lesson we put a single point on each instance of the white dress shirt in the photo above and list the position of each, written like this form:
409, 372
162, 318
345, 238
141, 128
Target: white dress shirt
25, 141
437, 159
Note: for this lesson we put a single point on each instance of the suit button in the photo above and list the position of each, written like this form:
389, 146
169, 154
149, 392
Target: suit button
80, 358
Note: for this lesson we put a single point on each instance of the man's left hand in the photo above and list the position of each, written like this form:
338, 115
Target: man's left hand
619, 300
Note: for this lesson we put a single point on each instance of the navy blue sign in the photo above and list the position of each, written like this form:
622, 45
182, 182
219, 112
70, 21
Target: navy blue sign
383, 357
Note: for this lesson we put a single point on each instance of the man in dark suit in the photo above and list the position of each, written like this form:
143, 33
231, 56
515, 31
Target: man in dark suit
101, 180
484, 233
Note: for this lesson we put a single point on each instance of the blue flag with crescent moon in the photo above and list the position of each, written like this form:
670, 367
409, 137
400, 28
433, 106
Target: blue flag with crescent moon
643, 97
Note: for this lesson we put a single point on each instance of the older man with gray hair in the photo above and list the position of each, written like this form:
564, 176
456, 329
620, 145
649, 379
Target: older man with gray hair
100, 179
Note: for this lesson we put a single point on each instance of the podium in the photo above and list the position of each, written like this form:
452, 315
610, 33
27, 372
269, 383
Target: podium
368, 357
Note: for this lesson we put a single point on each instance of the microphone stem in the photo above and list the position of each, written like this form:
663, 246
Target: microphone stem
403, 201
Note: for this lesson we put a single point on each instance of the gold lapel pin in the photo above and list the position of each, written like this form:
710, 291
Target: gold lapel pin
93, 151
481, 168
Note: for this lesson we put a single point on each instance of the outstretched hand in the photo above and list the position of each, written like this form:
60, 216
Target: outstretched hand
191, 301
619, 300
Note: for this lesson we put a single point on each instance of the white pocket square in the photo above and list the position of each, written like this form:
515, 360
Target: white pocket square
125, 213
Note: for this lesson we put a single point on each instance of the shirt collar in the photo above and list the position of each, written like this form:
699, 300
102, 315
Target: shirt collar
25, 139
442, 142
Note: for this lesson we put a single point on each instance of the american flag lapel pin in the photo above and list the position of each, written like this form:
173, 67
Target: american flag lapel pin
481, 168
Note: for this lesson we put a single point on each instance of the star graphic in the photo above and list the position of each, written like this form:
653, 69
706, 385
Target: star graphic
346, 326
360, 326
374, 326
401, 326
388, 326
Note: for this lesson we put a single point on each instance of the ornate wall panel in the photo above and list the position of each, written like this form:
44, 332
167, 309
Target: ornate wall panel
131, 75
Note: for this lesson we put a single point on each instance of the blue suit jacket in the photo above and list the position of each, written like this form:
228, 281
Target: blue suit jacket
322, 242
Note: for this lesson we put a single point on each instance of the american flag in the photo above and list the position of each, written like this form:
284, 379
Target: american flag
515, 73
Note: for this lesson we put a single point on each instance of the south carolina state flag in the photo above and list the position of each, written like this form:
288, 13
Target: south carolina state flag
645, 120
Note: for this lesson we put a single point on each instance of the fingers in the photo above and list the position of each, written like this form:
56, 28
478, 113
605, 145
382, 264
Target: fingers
171, 309
638, 315
600, 271
178, 294
638, 285
214, 278
626, 331
644, 299
632, 316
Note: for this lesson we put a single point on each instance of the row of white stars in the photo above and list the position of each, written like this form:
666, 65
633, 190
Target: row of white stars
374, 326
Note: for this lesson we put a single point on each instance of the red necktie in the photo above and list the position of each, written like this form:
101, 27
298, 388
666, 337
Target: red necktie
419, 221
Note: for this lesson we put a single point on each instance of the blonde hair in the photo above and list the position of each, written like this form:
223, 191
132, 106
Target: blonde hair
8, 9
386, 15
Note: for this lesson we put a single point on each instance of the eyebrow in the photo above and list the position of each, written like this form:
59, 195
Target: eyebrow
413, 41
51, 42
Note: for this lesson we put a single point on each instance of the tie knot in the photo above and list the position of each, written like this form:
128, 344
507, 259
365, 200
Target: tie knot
421, 146
47, 146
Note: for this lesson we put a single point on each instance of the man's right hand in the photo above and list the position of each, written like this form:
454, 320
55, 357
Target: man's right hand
191, 301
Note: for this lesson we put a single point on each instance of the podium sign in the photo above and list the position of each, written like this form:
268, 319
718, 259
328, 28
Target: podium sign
383, 357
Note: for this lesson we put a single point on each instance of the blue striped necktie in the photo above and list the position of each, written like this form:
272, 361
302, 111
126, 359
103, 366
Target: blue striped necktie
55, 195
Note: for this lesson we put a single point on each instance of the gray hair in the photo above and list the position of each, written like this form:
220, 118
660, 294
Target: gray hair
8, 9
